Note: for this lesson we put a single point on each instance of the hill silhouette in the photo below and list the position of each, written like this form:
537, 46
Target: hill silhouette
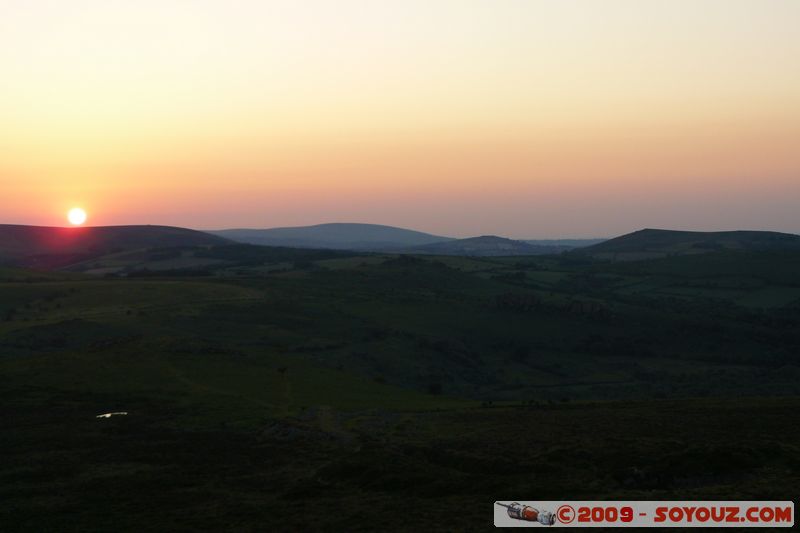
564, 244
653, 243
338, 236
486, 245
52, 247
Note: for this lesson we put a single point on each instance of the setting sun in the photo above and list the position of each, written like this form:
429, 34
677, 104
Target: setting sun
76, 216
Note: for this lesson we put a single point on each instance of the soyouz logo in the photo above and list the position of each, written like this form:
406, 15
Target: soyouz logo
644, 514
518, 511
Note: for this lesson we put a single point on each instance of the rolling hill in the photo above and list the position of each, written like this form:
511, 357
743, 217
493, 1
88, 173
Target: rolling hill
655, 243
338, 236
487, 245
53, 247
564, 244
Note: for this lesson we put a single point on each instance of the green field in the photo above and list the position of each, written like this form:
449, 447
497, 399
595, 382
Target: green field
260, 382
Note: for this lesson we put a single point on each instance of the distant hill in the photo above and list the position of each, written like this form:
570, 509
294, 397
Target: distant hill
487, 245
54, 247
338, 236
564, 244
654, 243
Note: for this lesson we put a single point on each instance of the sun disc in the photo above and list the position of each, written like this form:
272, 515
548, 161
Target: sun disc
76, 216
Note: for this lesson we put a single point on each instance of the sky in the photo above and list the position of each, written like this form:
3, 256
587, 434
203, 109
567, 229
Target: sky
522, 118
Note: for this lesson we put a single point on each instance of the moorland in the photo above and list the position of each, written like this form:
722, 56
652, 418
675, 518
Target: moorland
380, 388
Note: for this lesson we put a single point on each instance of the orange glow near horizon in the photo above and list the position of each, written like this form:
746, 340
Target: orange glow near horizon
537, 118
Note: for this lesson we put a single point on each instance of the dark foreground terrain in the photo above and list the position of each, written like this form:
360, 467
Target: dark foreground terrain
279, 389
372, 470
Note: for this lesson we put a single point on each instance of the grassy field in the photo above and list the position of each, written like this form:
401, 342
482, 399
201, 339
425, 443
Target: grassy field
260, 382
153, 470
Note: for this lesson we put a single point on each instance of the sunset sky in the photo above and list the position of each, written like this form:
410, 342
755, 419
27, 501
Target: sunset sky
523, 118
